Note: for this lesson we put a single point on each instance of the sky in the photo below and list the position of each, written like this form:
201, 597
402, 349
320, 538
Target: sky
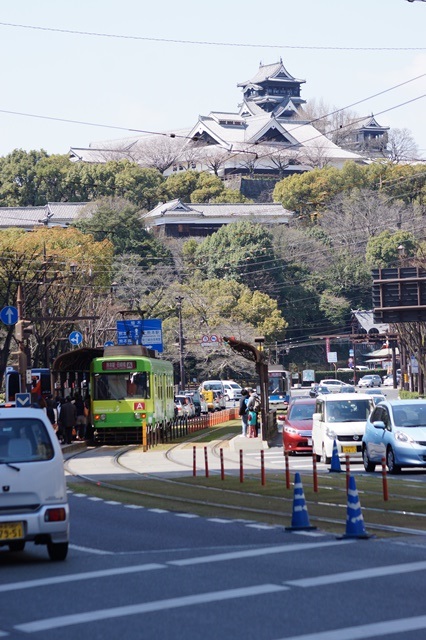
159, 65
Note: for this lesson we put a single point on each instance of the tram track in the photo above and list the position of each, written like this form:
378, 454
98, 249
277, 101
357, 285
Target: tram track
118, 460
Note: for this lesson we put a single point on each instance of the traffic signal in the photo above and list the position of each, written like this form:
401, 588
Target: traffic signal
23, 328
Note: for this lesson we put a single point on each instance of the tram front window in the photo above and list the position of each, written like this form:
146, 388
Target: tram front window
119, 386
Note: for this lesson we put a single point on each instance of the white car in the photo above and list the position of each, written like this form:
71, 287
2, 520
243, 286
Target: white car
232, 390
372, 380
333, 385
33, 498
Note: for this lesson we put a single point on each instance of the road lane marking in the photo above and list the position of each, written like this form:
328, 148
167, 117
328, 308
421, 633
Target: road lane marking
186, 515
75, 577
364, 631
361, 574
147, 607
99, 552
252, 553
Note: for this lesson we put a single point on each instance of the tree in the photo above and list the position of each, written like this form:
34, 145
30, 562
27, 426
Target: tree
156, 152
179, 186
241, 251
401, 146
120, 223
59, 271
18, 179
384, 250
208, 186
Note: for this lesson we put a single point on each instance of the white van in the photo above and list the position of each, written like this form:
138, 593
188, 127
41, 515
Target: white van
341, 417
232, 390
33, 493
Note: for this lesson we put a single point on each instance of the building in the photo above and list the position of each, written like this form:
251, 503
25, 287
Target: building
52, 214
178, 219
268, 134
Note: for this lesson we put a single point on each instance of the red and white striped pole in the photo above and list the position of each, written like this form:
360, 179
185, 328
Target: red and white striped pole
315, 472
348, 472
206, 462
287, 470
241, 466
385, 480
194, 461
222, 468
262, 468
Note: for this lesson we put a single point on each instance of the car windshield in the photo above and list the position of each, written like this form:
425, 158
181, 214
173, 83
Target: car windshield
24, 440
412, 415
302, 412
348, 410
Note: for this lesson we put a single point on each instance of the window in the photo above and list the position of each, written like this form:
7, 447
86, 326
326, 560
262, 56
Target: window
24, 440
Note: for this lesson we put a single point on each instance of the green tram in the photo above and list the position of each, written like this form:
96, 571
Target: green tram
130, 387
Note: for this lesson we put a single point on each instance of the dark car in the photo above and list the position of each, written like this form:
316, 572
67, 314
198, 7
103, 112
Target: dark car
297, 430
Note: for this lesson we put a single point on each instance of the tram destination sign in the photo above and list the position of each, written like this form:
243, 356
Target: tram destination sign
148, 333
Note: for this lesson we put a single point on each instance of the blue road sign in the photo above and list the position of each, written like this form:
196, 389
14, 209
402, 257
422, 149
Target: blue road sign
75, 337
22, 400
145, 332
109, 343
9, 315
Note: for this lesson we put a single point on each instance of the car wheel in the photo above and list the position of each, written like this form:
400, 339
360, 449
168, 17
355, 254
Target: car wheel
324, 457
17, 545
390, 461
57, 551
368, 465
318, 458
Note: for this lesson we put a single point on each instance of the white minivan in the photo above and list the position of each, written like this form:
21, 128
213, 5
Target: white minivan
341, 417
232, 390
33, 493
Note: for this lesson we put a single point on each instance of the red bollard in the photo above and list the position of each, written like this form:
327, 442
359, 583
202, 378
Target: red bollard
262, 468
348, 472
222, 468
206, 462
194, 461
315, 472
385, 480
241, 466
287, 470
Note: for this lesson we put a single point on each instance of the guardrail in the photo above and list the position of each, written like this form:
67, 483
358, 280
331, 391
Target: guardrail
183, 426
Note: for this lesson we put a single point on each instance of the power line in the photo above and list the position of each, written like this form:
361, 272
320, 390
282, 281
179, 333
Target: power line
205, 42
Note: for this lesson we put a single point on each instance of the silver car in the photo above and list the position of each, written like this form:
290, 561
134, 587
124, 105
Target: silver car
372, 380
396, 431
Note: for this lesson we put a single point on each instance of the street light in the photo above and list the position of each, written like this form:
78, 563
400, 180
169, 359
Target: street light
179, 300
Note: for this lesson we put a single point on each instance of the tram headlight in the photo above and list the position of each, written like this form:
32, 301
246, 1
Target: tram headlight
100, 416
138, 415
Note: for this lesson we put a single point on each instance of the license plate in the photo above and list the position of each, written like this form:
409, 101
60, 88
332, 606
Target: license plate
309, 442
348, 449
11, 530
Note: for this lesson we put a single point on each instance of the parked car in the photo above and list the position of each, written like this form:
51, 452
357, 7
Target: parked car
371, 380
339, 417
219, 401
185, 406
200, 405
297, 428
396, 431
388, 380
232, 390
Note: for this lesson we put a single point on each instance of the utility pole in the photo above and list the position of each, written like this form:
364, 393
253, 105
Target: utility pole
179, 300
19, 335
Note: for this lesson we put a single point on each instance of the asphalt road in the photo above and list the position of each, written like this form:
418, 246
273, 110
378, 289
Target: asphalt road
145, 573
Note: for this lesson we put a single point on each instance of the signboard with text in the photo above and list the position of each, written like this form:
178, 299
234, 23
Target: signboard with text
148, 333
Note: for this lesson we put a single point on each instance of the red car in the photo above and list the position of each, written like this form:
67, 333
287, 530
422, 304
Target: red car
297, 429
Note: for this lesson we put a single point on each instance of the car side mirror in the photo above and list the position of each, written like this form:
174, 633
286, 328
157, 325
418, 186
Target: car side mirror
316, 416
379, 424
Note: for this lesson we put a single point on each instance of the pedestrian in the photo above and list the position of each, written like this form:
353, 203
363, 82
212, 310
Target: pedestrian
243, 411
81, 417
254, 406
52, 413
67, 419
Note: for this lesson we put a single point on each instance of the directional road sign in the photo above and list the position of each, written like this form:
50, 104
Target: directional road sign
109, 343
75, 337
22, 400
9, 315
145, 332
